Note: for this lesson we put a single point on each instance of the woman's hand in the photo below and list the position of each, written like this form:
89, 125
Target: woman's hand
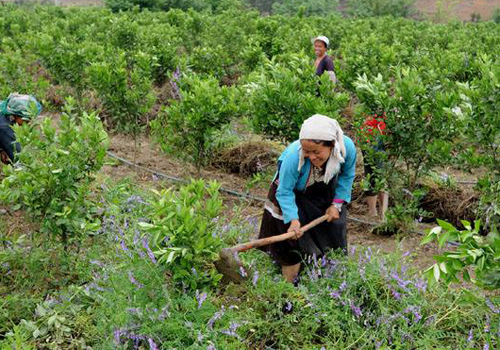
332, 213
295, 227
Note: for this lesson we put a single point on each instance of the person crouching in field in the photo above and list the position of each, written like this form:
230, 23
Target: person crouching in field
14, 110
315, 176
323, 62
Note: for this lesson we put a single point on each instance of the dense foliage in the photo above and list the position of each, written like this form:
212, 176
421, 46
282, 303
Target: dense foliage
55, 172
144, 277
120, 292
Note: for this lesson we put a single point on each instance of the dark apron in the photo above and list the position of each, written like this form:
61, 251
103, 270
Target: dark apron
312, 203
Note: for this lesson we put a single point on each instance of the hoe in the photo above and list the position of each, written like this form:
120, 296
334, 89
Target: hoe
231, 266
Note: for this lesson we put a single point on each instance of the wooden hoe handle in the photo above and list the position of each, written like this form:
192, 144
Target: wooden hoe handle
273, 239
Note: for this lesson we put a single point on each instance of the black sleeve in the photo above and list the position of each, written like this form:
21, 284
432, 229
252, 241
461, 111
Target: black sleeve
8, 142
328, 66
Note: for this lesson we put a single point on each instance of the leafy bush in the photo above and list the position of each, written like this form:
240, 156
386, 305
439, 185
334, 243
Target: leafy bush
473, 250
420, 121
182, 231
496, 15
283, 95
187, 128
15, 74
369, 8
55, 172
165, 5
125, 5
479, 114
308, 7
124, 88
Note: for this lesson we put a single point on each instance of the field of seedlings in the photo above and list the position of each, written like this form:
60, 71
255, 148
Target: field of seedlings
157, 143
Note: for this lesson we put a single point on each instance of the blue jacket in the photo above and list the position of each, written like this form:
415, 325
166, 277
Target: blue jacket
291, 179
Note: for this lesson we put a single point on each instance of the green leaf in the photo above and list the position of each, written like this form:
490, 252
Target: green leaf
52, 319
442, 267
427, 239
466, 275
171, 257
443, 238
445, 225
437, 272
145, 225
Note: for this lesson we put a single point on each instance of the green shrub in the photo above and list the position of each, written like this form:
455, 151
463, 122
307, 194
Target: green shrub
496, 15
187, 128
480, 253
308, 8
283, 95
182, 231
478, 112
125, 5
419, 116
165, 5
55, 172
123, 83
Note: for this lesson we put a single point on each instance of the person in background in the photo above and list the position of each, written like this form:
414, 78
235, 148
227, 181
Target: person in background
323, 62
374, 129
315, 176
14, 110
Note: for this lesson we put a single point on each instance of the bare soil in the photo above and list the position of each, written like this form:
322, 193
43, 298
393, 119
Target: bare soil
461, 9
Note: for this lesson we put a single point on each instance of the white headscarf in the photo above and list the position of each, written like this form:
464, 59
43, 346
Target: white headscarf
321, 127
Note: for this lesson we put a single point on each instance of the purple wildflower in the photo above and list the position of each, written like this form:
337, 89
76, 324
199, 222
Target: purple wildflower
118, 335
420, 284
335, 294
368, 254
383, 269
232, 330
125, 248
362, 273
395, 294
211, 347
471, 335
201, 298
430, 320
152, 345
415, 311
164, 313
407, 253
288, 306
145, 244
255, 278
356, 310
401, 283
98, 263
134, 311
492, 307
134, 281
93, 286
486, 346
343, 286
215, 317
353, 250
243, 273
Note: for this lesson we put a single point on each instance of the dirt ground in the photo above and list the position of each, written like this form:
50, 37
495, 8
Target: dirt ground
460, 9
